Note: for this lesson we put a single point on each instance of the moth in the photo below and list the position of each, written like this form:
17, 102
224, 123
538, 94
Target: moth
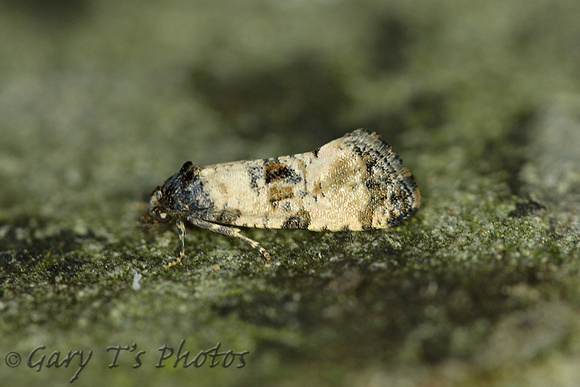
355, 182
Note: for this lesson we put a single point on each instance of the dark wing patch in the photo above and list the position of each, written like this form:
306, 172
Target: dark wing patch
276, 171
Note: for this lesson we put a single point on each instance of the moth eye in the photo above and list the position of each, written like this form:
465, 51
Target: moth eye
163, 215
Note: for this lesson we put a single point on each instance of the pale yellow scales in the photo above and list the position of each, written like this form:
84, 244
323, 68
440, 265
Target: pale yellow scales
355, 182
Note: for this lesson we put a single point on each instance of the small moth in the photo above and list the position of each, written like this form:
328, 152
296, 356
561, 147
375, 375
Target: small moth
355, 182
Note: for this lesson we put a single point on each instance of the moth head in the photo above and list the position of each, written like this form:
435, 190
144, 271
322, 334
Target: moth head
158, 209
174, 197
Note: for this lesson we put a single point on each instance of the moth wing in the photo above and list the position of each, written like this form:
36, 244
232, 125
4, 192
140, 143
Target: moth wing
360, 183
354, 182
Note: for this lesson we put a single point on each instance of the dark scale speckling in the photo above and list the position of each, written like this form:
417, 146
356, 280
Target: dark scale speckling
275, 170
355, 182
227, 216
300, 220
184, 190
255, 172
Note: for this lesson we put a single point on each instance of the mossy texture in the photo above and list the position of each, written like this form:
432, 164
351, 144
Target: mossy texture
101, 101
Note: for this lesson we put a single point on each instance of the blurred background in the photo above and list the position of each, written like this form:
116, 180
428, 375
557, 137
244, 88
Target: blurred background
100, 101
110, 96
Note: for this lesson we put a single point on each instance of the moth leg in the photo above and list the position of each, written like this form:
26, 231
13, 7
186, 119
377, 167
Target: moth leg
228, 231
181, 234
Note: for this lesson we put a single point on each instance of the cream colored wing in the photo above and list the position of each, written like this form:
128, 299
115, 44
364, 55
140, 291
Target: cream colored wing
355, 182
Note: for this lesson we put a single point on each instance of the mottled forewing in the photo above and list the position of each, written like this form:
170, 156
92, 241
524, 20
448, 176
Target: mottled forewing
353, 183
361, 184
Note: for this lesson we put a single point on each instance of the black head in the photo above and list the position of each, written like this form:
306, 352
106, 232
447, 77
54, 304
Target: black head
174, 197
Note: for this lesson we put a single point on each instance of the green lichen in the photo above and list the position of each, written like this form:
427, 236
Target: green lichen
479, 286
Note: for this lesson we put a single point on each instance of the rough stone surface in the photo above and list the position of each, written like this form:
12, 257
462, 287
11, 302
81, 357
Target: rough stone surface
100, 101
